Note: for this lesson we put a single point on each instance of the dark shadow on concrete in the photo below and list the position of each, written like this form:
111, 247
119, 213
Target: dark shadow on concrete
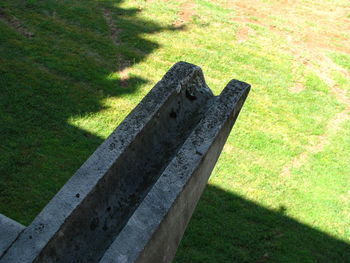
228, 228
62, 70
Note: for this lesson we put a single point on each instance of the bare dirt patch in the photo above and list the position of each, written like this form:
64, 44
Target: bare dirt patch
185, 14
243, 34
304, 24
297, 88
112, 27
15, 24
122, 64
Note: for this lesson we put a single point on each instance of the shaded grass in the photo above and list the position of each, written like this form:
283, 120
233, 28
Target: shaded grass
50, 80
228, 228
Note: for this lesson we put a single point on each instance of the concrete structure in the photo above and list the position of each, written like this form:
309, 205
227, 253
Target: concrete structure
132, 199
9, 230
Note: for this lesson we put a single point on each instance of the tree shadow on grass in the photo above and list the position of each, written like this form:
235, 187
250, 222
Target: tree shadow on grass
228, 228
56, 62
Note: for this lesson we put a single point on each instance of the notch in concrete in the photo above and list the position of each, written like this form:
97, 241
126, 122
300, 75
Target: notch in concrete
132, 199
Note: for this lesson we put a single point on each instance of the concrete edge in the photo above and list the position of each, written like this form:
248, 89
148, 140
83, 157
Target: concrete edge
9, 231
35, 237
159, 222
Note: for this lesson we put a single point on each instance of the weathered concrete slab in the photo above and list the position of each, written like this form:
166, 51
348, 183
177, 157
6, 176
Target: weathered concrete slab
154, 231
131, 200
9, 231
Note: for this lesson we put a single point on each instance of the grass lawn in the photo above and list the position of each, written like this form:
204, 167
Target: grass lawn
70, 71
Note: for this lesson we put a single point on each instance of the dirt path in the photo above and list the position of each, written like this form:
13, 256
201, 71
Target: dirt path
306, 25
122, 64
185, 14
15, 23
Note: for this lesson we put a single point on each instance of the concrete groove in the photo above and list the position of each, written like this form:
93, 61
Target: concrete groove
132, 199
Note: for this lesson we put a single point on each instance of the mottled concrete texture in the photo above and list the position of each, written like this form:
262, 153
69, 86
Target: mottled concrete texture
9, 231
132, 199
